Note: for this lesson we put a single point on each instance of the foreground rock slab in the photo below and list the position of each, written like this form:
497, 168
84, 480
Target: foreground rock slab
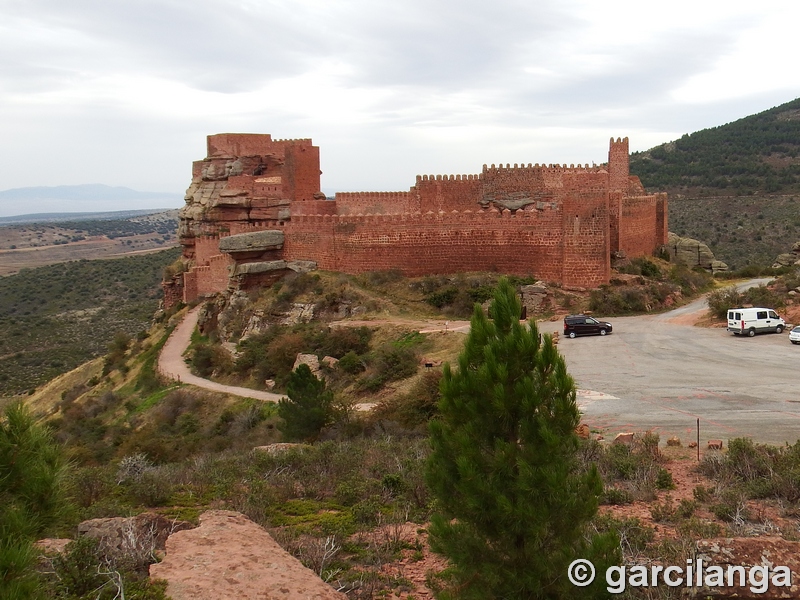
229, 557
769, 552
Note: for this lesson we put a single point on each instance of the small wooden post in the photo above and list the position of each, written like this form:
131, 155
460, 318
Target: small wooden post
698, 439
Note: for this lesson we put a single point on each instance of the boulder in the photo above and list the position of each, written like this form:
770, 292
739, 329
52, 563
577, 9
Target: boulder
308, 359
301, 266
691, 253
583, 431
330, 362
533, 296
771, 552
674, 441
229, 556
279, 448
132, 537
53, 546
784, 260
298, 313
263, 266
255, 241
715, 444
624, 438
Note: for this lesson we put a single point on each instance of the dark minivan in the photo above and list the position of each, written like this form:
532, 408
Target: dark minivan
575, 325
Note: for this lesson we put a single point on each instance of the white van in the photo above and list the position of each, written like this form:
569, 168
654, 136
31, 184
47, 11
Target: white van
750, 321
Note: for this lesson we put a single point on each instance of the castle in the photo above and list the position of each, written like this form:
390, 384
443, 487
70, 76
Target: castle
254, 211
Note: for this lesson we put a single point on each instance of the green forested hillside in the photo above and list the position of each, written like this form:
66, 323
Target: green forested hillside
756, 154
735, 187
54, 318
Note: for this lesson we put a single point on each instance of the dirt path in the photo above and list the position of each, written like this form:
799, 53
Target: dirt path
172, 365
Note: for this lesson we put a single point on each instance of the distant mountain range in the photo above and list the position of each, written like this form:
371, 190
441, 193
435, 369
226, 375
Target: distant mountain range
90, 198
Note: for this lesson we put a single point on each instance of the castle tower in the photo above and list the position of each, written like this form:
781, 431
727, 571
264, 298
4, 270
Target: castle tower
618, 164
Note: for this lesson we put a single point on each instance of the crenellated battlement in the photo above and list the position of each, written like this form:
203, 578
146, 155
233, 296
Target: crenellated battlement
469, 177
298, 141
551, 168
345, 196
424, 217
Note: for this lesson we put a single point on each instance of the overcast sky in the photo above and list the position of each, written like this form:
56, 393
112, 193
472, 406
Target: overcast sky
123, 92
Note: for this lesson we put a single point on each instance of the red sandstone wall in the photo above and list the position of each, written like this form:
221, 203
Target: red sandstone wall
315, 207
204, 249
587, 259
190, 286
301, 171
618, 164
526, 244
375, 203
662, 222
638, 234
239, 144
173, 291
448, 192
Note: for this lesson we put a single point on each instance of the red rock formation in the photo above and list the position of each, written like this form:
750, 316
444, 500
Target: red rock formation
558, 223
229, 556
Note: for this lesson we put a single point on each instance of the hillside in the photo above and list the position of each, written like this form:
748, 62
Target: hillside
756, 154
736, 186
56, 317
48, 239
354, 505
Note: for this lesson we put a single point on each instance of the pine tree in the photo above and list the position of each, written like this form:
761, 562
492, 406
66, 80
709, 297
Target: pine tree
514, 504
309, 407
31, 498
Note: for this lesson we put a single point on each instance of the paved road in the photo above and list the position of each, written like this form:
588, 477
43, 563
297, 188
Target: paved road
656, 373
172, 365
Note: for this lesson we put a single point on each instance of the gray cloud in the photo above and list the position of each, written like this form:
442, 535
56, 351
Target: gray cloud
123, 93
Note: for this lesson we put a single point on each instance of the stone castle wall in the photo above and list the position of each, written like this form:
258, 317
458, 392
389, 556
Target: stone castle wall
558, 223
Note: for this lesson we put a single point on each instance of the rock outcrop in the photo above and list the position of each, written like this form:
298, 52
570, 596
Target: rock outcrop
228, 557
132, 537
693, 253
768, 552
787, 259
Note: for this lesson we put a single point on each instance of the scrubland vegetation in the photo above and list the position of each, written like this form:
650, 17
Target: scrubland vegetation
57, 317
341, 500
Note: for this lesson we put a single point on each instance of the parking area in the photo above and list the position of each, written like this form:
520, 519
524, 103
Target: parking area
656, 373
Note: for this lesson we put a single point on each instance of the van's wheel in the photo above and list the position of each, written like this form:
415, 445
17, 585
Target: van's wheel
603, 332
572, 335
779, 329
751, 332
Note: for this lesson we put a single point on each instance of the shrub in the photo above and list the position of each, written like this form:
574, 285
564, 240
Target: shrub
339, 341
351, 363
616, 496
31, 495
663, 511
309, 406
702, 493
664, 480
389, 363
719, 301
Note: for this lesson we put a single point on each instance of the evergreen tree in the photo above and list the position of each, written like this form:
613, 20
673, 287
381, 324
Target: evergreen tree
309, 406
514, 504
31, 498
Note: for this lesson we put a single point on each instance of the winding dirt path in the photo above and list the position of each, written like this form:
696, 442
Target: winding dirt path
172, 365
